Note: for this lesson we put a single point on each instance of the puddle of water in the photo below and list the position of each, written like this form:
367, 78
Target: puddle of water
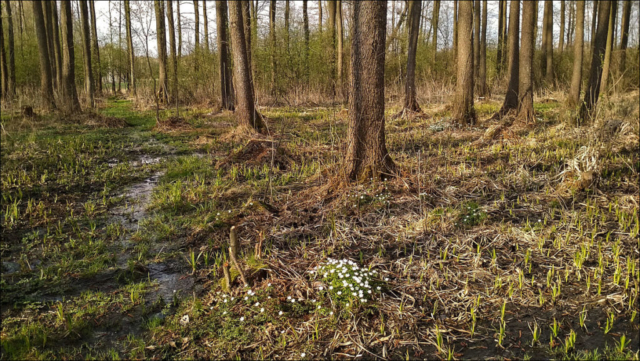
135, 211
169, 282
142, 160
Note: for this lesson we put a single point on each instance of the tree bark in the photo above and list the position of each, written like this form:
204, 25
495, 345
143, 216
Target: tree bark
455, 29
592, 92
511, 98
179, 23
527, 45
3, 67
482, 71
172, 50
86, 50
46, 87
205, 21
226, 94
562, 28
594, 24
70, 100
305, 25
272, 44
624, 37
410, 101
476, 41
548, 24
10, 54
320, 16
331, 49
163, 92
245, 110
609, 47
578, 44
500, 53
196, 49
340, 37
287, 11
95, 56
132, 57
48, 17
367, 154
246, 17
464, 112
434, 25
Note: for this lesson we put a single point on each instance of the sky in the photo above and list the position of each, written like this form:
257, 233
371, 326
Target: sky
142, 13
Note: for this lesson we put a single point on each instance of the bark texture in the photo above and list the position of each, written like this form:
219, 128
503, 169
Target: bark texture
46, 87
410, 102
482, 66
476, 40
226, 94
463, 111
434, 24
527, 44
70, 100
367, 154
196, 49
624, 37
606, 66
132, 57
548, 5
86, 51
172, 49
95, 48
272, 45
592, 92
562, 26
511, 98
578, 44
163, 91
10, 52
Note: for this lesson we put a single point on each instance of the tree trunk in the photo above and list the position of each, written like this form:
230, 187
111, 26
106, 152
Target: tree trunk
548, 44
69, 93
245, 110
254, 36
205, 21
340, 37
482, 71
132, 57
246, 17
196, 48
455, 29
10, 54
320, 16
86, 50
95, 56
272, 44
500, 53
505, 37
463, 111
511, 98
305, 21
226, 94
120, 46
48, 17
594, 24
434, 26
578, 44
287, 11
410, 101
46, 86
367, 154
179, 23
535, 27
172, 50
476, 40
592, 92
163, 92
562, 28
3, 67
331, 49
527, 45
624, 37
609, 47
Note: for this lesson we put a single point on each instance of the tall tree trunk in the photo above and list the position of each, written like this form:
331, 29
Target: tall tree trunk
120, 46
511, 98
46, 86
246, 17
331, 49
196, 48
3, 67
272, 44
340, 37
594, 24
95, 56
320, 16
464, 112
535, 27
172, 51
609, 47
527, 45
86, 50
548, 41
592, 92
367, 154
287, 11
455, 29
562, 29
163, 92
48, 17
254, 35
502, 4
505, 37
578, 44
434, 25
132, 56
69, 92
57, 62
205, 21
11, 63
624, 37
179, 23
482, 71
305, 25
245, 110
226, 95
410, 101
476, 40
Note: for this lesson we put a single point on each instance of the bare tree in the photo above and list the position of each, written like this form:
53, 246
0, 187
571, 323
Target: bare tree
482, 67
172, 51
305, 21
3, 67
196, 49
95, 56
434, 25
606, 66
624, 37
592, 92
548, 24
476, 40
367, 154
245, 109
246, 16
272, 44
464, 111
226, 95
527, 45
179, 23
11, 60
563, 10
410, 101
340, 38
163, 93
132, 57
578, 44
46, 86
205, 21
86, 51
455, 29
69, 93
511, 98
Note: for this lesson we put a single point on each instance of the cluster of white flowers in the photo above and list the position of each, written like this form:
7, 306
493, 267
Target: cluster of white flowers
361, 197
347, 280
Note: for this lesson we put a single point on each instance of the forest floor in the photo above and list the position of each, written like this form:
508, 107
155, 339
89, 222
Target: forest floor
508, 243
